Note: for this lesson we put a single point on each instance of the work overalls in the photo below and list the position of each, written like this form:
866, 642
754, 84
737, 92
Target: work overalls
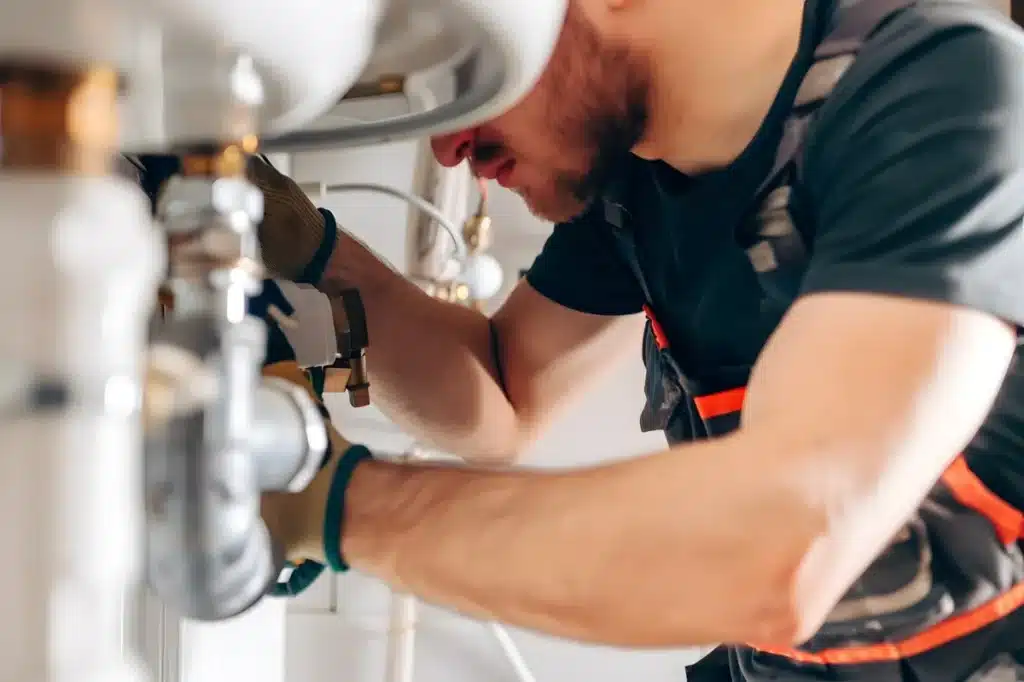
942, 601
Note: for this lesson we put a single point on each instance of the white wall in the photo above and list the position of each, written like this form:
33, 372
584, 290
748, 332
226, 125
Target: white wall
338, 631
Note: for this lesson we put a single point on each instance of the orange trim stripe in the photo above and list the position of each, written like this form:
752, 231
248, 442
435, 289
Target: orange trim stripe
717, 404
934, 637
660, 337
973, 494
969, 491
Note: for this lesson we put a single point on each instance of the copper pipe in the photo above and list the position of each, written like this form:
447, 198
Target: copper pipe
228, 161
56, 118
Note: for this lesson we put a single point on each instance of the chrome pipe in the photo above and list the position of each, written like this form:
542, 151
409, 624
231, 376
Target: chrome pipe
223, 434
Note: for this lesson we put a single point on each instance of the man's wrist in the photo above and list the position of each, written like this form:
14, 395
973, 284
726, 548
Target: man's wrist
353, 265
313, 272
336, 505
296, 520
335, 278
363, 531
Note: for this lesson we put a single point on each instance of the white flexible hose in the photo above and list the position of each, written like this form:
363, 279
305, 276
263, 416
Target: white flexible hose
419, 202
401, 654
512, 653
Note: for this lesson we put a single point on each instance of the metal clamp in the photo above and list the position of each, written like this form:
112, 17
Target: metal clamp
353, 340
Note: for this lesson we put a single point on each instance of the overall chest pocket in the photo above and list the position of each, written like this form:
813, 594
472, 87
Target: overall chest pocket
688, 408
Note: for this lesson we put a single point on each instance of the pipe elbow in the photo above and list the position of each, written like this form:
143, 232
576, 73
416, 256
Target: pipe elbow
209, 553
215, 583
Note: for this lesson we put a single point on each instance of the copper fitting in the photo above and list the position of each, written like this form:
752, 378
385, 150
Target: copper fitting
228, 161
58, 118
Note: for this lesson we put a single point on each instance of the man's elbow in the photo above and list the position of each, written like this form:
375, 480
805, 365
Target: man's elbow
793, 616
798, 599
752, 600
776, 614
786, 608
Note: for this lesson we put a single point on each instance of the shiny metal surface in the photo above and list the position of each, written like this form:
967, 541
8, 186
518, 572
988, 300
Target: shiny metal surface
186, 64
289, 437
209, 553
227, 433
476, 78
458, 62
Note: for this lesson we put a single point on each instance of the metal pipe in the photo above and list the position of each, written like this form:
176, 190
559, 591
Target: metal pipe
401, 652
209, 553
225, 434
403, 621
401, 648
288, 438
479, 77
80, 262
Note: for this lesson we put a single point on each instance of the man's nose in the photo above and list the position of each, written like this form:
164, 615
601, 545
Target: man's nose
451, 150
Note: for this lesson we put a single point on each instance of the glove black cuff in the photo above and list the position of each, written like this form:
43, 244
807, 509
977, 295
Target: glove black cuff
334, 515
314, 271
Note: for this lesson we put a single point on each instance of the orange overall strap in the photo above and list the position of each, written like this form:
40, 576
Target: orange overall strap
969, 491
719, 404
659, 333
943, 633
1008, 522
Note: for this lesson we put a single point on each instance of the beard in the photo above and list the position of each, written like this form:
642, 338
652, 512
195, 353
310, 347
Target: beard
612, 140
603, 119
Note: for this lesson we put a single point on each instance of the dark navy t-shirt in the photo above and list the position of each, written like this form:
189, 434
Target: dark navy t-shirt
912, 185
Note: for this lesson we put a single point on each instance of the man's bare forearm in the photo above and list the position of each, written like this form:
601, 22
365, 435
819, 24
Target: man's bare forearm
674, 549
431, 363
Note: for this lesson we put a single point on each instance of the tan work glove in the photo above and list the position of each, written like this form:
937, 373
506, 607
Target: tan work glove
296, 520
293, 229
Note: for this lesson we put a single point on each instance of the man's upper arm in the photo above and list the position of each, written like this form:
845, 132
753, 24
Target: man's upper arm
903, 335
570, 318
915, 168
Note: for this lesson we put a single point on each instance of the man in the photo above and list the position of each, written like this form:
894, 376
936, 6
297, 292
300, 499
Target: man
860, 302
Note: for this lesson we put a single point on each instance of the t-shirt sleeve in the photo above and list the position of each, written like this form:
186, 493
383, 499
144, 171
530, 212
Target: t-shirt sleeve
581, 268
915, 172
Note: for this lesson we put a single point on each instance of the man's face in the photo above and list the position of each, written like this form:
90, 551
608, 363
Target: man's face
557, 146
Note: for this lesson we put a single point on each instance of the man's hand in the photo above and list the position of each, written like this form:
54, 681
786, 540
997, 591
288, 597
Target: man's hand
296, 520
292, 229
